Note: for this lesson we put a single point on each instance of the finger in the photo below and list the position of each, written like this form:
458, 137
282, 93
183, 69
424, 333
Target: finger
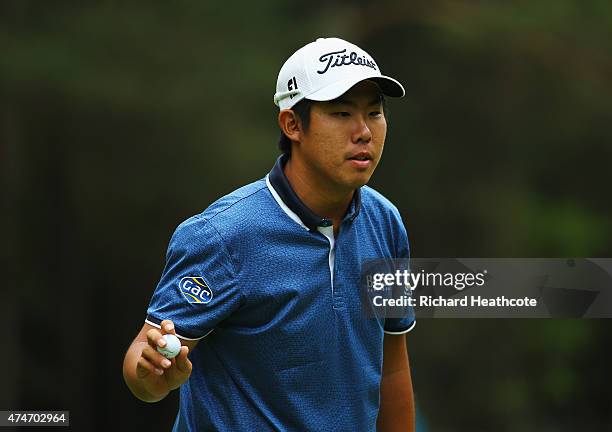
168, 327
156, 358
155, 339
182, 362
144, 367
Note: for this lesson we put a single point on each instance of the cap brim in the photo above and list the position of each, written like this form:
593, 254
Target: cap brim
388, 86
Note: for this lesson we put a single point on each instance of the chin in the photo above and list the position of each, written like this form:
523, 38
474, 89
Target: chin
352, 180
356, 183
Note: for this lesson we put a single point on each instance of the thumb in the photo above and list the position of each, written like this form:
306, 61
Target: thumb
167, 326
182, 362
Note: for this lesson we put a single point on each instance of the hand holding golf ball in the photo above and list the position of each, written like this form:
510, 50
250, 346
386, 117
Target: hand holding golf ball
163, 354
172, 347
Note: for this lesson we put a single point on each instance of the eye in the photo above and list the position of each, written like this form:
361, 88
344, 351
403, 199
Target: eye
375, 114
342, 114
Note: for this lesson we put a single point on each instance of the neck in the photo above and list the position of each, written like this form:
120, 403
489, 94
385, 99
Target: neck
321, 198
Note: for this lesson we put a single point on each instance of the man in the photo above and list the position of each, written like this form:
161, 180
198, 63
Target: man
263, 286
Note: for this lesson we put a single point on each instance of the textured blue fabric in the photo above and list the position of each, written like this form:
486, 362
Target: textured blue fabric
285, 352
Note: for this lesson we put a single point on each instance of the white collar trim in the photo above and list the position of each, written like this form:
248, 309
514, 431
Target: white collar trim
283, 206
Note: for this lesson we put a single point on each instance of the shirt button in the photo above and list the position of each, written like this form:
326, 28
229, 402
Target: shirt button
326, 223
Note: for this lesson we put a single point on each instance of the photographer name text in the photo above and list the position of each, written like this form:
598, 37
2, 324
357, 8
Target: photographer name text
471, 301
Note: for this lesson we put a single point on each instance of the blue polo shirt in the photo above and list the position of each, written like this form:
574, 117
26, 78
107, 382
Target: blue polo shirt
287, 346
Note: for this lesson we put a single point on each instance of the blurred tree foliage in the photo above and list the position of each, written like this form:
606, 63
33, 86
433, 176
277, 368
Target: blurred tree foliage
118, 120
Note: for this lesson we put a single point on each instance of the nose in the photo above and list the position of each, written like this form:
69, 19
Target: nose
362, 133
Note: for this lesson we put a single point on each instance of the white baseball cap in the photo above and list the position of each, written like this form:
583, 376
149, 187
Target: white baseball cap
327, 68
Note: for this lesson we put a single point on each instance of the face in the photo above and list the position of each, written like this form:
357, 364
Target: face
345, 139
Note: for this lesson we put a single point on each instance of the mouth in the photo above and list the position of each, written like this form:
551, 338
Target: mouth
361, 156
361, 160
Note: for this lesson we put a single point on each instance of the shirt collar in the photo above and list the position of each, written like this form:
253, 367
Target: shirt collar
281, 187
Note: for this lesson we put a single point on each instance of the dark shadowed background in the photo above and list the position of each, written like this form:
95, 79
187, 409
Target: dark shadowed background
119, 120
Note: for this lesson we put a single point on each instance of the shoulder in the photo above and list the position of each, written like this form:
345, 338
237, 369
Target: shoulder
374, 201
229, 211
242, 199
386, 218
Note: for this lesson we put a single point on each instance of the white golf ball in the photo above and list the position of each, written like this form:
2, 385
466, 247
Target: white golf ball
172, 348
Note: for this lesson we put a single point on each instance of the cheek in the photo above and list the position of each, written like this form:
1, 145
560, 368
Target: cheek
331, 139
379, 133
322, 133
319, 150
382, 126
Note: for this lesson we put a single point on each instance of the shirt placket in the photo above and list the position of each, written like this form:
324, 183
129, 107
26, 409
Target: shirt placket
336, 289
328, 232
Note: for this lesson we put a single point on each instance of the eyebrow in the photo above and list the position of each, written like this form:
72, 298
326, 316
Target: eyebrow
341, 101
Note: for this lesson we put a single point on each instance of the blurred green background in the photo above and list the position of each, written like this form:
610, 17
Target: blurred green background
119, 120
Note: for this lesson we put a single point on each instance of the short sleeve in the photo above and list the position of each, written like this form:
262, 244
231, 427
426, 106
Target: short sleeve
407, 321
198, 288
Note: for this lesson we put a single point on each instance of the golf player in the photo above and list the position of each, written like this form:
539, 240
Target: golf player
263, 287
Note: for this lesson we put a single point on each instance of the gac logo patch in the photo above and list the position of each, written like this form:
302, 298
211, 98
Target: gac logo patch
195, 290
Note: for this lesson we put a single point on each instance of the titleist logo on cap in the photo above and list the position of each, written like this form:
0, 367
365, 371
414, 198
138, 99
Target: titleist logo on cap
337, 58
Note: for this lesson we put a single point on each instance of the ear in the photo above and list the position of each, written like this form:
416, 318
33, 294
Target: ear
290, 125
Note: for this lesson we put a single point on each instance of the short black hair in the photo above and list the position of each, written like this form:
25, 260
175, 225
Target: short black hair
302, 111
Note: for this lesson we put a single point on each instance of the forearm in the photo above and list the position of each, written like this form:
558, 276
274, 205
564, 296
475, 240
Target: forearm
396, 411
136, 384
396, 403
